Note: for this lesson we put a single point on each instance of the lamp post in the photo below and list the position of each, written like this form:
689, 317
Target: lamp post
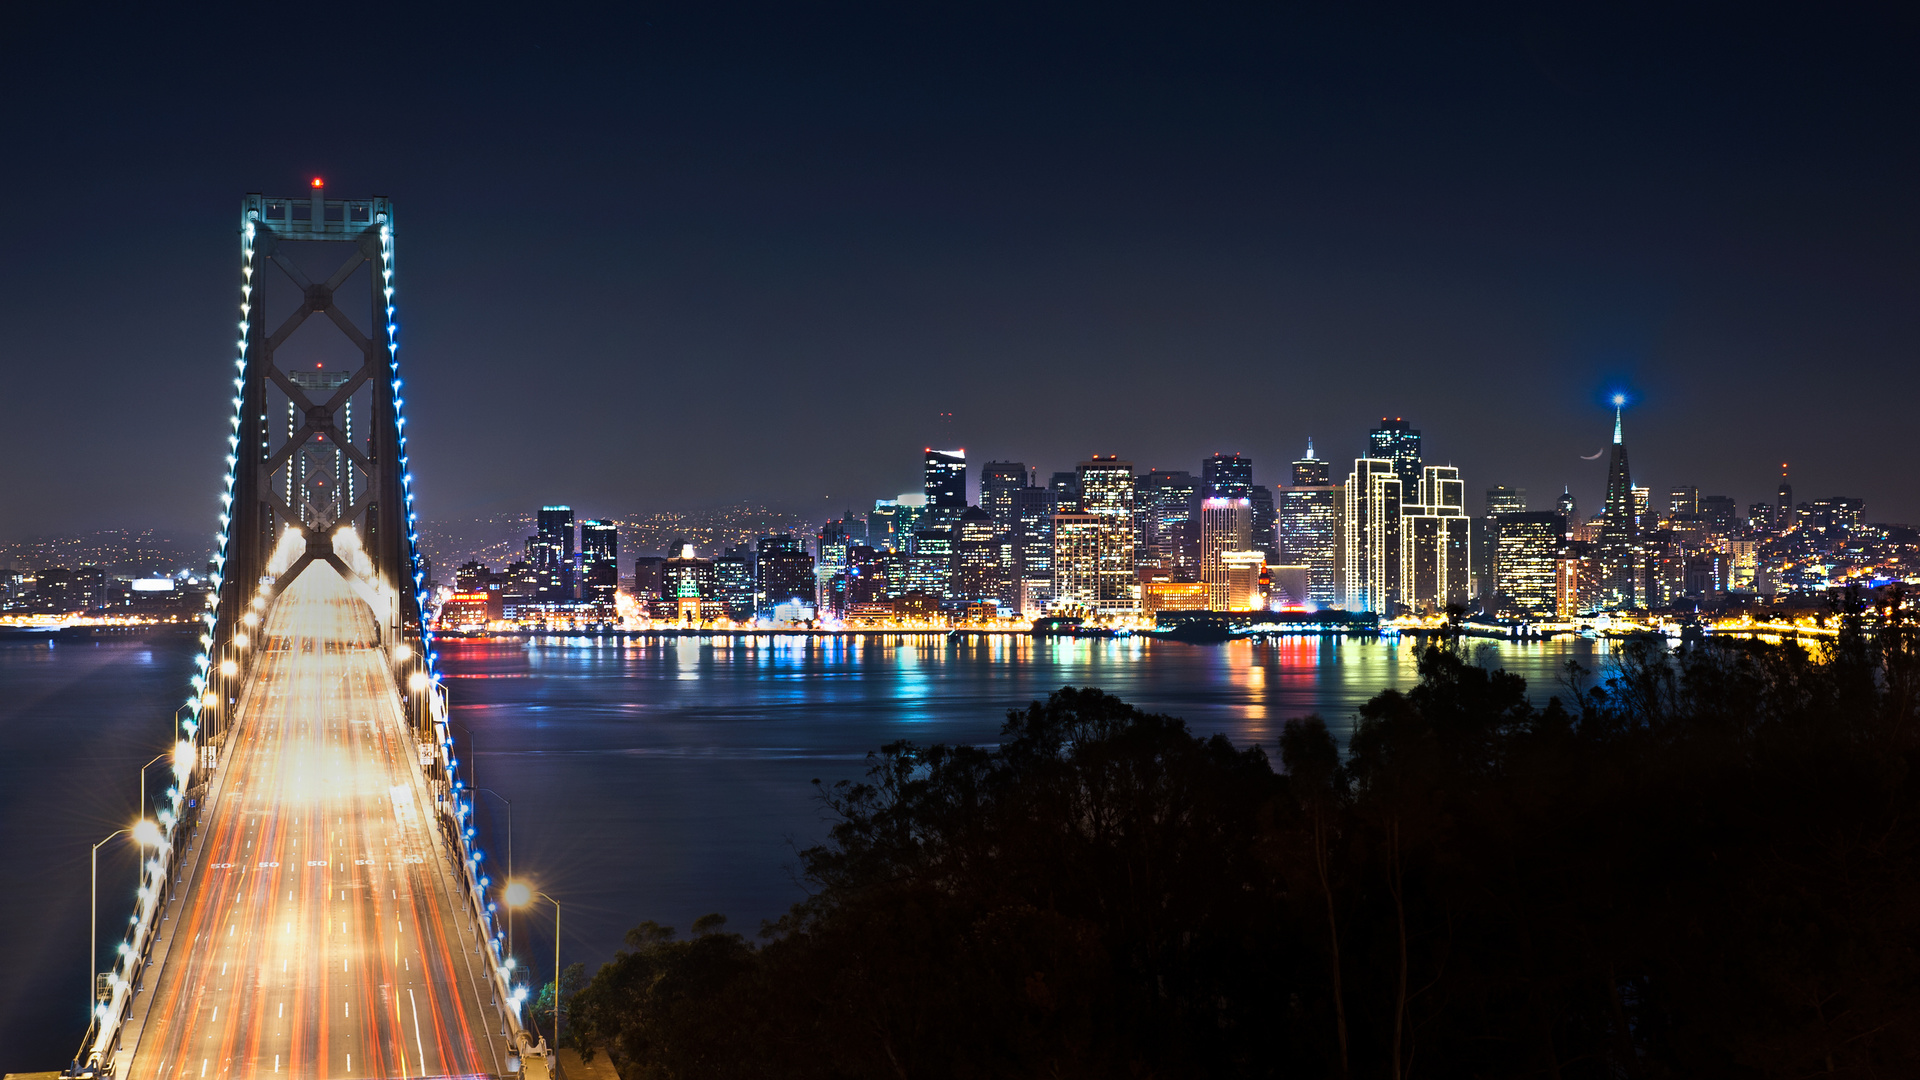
509, 803
520, 894
143, 780
93, 924
472, 754
147, 834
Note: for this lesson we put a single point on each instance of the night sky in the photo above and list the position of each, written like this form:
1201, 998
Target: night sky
656, 258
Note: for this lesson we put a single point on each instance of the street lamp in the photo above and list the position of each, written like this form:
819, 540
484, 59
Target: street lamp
520, 894
143, 780
146, 834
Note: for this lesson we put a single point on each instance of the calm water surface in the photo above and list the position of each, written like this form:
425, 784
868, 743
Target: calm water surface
650, 779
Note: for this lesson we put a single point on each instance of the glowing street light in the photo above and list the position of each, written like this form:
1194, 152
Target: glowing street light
520, 894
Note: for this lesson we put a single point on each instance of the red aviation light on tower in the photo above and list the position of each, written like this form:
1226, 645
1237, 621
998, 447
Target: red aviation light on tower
319, 183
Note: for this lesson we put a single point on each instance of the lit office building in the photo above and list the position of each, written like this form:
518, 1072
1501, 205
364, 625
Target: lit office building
930, 562
600, 558
1106, 488
1242, 571
1266, 522
1226, 527
1436, 545
733, 585
1162, 511
946, 487
894, 520
979, 573
1397, 441
783, 574
1369, 545
1065, 488
998, 482
1309, 526
1093, 564
1226, 476
691, 588
1528, 560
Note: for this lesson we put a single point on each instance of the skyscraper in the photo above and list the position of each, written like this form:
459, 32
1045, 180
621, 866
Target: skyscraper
1065, 487
600, 555
1397, 441
1619, 583
1266, 522
550, 554
1529, 545
1567, 507
1033, 534
978, 573
1369, 544
1226, 525
998, 481
946, 487
1436, 548
1093, 564
783, 573
1226, 476
1106, 487
1308, 527
1310, 471
1163, 507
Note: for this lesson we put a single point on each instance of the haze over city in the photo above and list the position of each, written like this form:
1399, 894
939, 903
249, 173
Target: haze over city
765, 256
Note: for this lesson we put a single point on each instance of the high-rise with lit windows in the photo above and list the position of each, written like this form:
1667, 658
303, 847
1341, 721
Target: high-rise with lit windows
1226, 525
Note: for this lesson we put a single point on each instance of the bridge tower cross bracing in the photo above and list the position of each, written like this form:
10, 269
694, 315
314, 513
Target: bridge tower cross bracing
263, 498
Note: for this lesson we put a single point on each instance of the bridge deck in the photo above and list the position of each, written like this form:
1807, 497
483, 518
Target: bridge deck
320, 934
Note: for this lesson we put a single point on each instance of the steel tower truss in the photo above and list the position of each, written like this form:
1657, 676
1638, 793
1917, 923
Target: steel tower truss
256, 511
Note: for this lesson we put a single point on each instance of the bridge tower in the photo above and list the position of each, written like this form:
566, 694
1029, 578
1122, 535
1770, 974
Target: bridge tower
318, 434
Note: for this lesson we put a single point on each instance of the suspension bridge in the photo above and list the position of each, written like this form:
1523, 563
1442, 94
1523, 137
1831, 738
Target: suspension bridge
312, 902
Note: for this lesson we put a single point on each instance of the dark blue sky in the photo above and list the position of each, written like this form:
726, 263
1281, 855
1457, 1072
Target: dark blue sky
658, 257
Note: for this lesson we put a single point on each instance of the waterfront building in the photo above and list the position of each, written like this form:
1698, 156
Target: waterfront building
930, 562
783, 574
1397, 441
1436, 545
1242, 571
1527, 564
1226, 525
1501, 499
600, 561
1368, 548
1093, 569
1308, 527
979, 573
733, 585
690, 580
1158, 596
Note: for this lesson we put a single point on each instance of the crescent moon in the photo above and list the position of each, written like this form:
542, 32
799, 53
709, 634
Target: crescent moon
1593, 456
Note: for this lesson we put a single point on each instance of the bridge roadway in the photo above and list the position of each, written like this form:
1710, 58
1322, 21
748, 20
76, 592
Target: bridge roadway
322, 933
